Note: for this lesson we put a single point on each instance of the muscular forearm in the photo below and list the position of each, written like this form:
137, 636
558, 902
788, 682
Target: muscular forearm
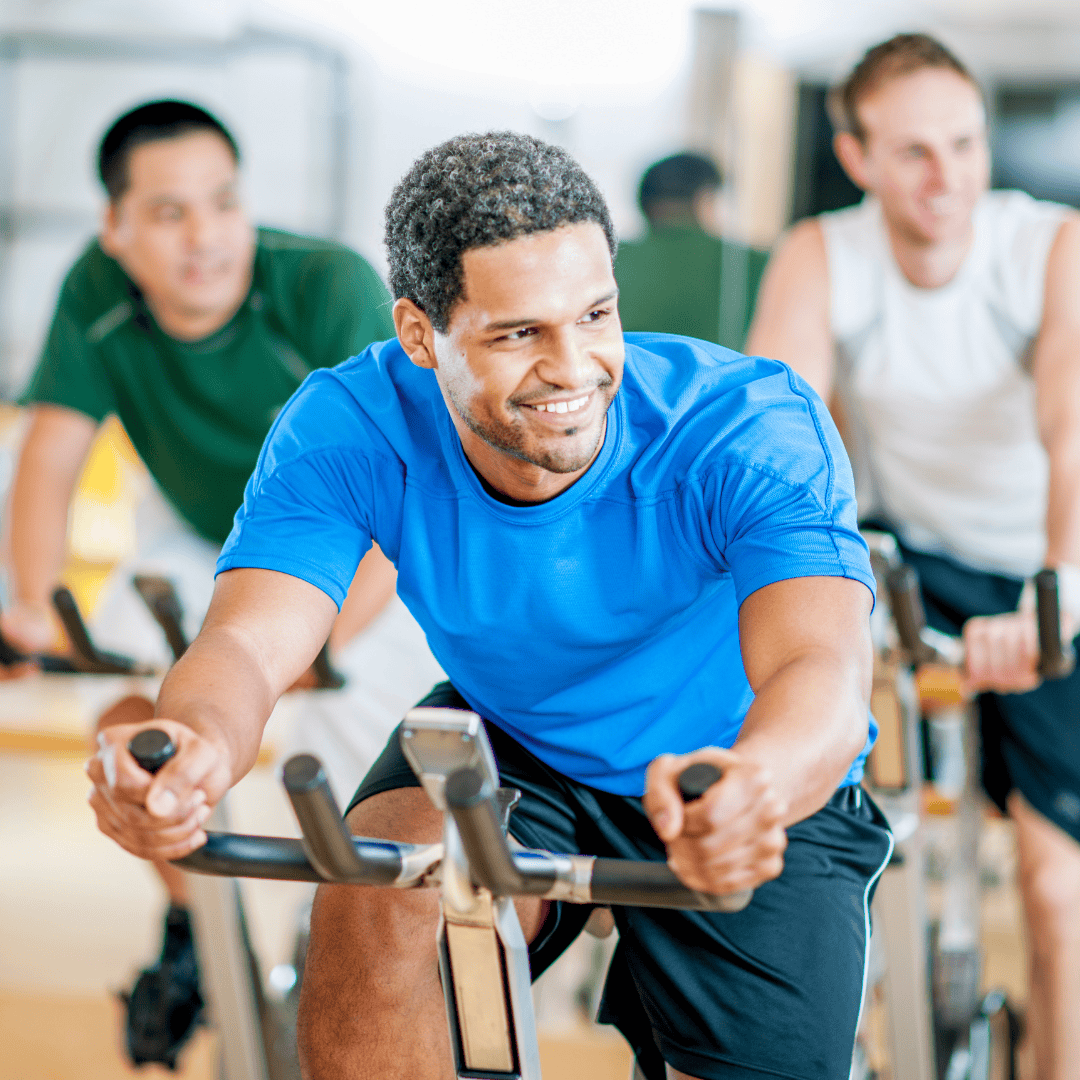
50, 462
38, 536
807, 724
220, 691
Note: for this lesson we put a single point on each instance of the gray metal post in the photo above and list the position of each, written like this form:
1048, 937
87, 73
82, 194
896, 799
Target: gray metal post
228, 979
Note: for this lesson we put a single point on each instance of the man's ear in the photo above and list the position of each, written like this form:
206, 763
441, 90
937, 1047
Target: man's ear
415, 332
851, 154
110, 226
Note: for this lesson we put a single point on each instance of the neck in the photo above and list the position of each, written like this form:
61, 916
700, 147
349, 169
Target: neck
929, 264
519, 482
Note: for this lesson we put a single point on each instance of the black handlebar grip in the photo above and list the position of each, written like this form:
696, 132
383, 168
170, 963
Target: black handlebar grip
1056, 659
905, 599
151, 749
71, 617
696, 779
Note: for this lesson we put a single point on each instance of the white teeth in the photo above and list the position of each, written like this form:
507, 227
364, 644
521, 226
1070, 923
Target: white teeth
563, 406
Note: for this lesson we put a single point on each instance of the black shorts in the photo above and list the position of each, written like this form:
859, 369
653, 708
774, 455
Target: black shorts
771, 991
1030, 742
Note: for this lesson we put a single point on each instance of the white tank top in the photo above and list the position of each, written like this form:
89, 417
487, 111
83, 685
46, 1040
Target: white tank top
936, 384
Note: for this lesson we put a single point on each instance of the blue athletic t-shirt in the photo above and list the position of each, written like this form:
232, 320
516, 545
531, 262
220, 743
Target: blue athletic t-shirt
599, 629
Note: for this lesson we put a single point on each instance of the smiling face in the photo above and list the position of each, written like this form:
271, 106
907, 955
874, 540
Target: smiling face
180, 232
925, 153
531, 359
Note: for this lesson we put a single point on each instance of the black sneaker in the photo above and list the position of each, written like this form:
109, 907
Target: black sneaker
165, 1005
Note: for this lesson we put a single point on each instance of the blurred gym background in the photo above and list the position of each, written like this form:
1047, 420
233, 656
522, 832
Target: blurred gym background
331, 101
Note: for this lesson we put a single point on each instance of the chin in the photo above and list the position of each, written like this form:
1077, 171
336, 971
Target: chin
210, 298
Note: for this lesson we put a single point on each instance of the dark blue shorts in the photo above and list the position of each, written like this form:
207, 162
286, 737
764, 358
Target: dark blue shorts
771, 991
1030, 742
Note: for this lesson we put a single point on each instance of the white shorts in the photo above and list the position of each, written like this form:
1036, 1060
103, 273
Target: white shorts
388, 667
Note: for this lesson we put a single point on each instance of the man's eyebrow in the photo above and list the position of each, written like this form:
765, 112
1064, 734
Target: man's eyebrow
517, 324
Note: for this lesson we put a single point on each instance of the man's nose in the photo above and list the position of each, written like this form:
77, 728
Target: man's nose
201, 230
944, 173
566, 363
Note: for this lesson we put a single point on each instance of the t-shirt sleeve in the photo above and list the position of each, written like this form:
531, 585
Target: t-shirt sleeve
788, 510
308, 508
344, 307
70, 372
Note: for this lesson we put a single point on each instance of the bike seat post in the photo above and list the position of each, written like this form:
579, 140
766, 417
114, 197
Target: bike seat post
483, 956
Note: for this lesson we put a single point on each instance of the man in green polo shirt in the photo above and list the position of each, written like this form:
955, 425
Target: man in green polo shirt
194, 328
681, 278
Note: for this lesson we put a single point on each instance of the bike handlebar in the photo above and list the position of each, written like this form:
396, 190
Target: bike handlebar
1056, 658
329, 853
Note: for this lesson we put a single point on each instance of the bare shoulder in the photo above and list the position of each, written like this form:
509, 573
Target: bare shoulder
798, 270
804, 242
1063, 267
791, 319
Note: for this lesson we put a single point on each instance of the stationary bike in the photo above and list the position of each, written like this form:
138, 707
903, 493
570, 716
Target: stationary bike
477, 868
940, 1025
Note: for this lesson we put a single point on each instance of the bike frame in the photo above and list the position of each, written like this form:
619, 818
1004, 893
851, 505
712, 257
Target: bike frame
483, 956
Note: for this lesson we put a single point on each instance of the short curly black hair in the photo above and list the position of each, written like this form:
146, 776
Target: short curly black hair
479, 190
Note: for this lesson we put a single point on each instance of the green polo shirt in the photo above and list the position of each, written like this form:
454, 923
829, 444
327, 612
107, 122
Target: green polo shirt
197, 412
682, 280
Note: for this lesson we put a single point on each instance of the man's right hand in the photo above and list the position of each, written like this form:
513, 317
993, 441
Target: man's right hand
28, 629
157, 817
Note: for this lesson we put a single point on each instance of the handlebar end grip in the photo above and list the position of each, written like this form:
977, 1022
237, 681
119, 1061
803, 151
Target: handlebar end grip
151, 749
466, 787
1056, 658
301, 773
905, 598
696, 779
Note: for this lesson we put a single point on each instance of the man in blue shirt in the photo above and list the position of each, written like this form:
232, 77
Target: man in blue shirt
628, 555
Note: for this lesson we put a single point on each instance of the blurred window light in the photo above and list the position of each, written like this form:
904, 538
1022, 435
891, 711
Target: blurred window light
556, 48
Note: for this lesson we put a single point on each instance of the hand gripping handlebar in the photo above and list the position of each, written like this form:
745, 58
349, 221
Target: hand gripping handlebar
329, 853
1056, 658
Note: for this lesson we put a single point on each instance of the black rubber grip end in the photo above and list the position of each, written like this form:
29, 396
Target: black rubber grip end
151, 749
1056, 659
466, 787
695, 780
302, 772
905, 598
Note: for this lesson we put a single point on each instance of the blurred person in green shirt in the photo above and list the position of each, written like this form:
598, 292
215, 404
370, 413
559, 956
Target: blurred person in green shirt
682, 278
194, 328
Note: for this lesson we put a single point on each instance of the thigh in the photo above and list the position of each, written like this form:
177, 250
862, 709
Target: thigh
774, 990
1031, 744
1049, 858
391, 805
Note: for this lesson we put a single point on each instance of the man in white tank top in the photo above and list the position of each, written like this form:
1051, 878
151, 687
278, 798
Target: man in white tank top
942, 321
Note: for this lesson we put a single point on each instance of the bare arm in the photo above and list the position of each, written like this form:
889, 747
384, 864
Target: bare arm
53, 454
370, 592
1057, 388
791, 320
262, 631
1002, 650
807, 654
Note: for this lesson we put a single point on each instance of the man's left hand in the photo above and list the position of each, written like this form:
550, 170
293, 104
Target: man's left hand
730, 839
1002, 653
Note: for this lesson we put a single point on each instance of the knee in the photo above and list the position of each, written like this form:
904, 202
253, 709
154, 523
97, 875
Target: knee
1051, 889
372, 954
377, 942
